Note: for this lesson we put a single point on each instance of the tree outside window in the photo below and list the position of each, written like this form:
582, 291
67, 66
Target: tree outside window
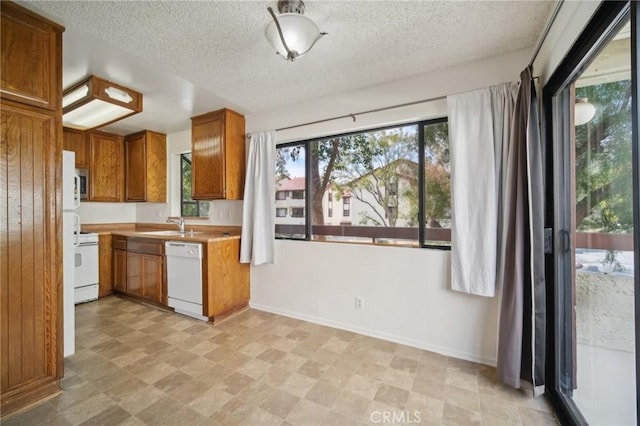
376, 175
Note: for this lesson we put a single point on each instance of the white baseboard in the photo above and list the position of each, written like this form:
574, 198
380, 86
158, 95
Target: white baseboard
379, 335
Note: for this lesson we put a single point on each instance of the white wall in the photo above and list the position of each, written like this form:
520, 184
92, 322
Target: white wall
91, 212
406, 291
569, 23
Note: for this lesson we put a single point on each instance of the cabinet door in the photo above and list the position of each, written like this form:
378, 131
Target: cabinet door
153, 267
156, 167
234, 151
120, 270
135, 274
105, 265
76, 141
30, 257
31, 58
105, 167
208, 157
135, 167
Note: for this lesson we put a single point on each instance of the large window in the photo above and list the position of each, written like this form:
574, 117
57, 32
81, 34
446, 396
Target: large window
392, 184
290, 191
188, 206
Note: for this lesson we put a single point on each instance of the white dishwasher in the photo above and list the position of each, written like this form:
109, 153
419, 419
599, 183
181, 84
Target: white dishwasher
184, 278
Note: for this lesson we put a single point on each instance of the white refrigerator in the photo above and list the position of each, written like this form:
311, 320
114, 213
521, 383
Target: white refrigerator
70, 233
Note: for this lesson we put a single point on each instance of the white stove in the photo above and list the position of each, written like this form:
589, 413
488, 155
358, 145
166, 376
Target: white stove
86, 267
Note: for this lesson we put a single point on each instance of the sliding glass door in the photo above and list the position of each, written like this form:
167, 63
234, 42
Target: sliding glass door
593, 205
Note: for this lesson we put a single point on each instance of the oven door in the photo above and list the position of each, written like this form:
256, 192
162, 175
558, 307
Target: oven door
86, 262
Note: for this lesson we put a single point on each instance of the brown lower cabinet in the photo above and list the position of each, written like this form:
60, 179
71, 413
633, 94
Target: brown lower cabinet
145, 276
139, 269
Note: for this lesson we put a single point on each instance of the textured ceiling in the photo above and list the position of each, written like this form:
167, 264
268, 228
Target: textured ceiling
220, 45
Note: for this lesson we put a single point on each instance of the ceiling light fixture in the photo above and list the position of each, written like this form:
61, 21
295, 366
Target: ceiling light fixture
584, 111
291, 33
95, 102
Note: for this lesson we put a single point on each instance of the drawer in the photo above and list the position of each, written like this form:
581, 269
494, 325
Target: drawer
145, 246
119, 243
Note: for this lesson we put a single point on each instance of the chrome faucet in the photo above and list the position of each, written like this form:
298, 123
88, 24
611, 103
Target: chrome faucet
177, 221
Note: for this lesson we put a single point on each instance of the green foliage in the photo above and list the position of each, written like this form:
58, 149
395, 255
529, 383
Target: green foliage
437, 178
603, 160
437, 194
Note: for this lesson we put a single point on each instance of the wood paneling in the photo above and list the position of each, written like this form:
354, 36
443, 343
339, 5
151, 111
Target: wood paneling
106, 171
76, 141
105, 265
31, 233
226, 280
31, 49
146, 167
218, 155
30, 260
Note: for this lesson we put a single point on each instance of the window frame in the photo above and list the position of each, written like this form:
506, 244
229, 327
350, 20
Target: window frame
559, 305
306, 143
296, 192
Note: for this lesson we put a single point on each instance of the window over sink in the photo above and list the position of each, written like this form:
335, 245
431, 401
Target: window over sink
188, 206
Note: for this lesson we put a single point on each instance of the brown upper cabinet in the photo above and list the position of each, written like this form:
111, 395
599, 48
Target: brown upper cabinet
31, 46
76, 141
106, 171
146, 167
218, 158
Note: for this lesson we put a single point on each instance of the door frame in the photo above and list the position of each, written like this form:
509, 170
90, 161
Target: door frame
556, 96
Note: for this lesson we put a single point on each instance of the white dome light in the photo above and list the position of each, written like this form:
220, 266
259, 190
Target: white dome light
291, 33
584, 111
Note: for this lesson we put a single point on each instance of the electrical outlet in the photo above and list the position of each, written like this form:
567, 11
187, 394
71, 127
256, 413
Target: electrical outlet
359, 303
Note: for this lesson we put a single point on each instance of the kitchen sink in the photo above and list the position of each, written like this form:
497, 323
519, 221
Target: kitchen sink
186, 234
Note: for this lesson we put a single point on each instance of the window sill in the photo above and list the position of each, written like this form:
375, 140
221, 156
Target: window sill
195, 217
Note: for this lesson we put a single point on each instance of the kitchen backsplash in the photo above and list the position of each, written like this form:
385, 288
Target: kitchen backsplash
223, 212
227, 213
91, 212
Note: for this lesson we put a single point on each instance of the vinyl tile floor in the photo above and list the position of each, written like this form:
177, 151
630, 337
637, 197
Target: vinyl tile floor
138, 365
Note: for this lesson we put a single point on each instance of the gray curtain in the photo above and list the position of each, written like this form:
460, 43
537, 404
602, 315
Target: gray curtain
521, 267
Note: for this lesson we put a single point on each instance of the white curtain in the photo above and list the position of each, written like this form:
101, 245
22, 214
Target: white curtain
479, 126
258, 212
